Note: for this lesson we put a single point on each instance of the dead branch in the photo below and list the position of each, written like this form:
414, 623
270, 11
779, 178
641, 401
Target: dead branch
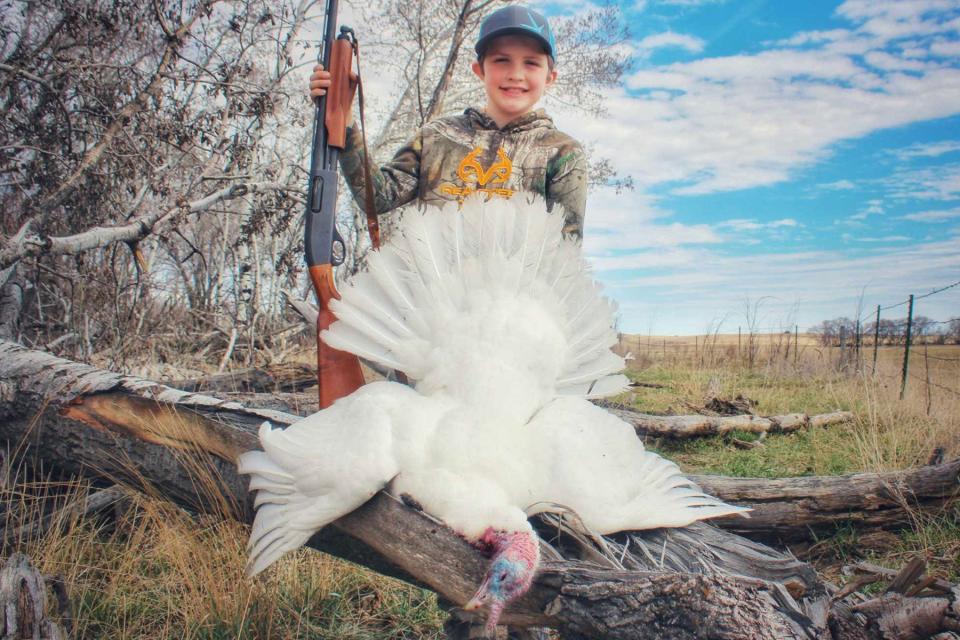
286, 377
141, 101
798, 508
697, 426
137, 229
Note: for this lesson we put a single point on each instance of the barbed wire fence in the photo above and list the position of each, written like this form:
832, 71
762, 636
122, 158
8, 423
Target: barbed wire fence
908, 336
851, 341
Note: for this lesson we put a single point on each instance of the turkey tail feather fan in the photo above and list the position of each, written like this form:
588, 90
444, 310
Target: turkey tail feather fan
447, 263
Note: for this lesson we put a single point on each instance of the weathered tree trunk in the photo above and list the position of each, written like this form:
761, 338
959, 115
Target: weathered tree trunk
183, 446
287, 377
23, 603
798, 508
696, 426
12, 287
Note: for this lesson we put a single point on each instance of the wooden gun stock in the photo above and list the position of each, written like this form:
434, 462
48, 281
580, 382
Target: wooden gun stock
338, 372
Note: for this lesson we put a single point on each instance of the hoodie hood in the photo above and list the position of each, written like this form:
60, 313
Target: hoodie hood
537, 119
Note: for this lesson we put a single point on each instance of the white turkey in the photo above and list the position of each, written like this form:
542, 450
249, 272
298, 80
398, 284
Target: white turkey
496, 321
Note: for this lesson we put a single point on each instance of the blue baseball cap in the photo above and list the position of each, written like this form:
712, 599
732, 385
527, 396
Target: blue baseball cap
516, 20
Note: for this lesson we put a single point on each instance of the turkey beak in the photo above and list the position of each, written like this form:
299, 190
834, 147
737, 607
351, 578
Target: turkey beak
479, 599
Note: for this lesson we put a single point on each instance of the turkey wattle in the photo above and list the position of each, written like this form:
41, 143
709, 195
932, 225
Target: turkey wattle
496, 320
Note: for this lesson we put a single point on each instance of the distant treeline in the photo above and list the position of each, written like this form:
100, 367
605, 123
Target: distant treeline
889, 332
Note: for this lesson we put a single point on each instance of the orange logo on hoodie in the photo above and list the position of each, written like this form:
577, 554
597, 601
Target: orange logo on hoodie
476, 178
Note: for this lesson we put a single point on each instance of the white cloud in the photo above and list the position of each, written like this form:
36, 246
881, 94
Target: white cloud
889, 62
945, 48
815, 37
873, 239
670, 39
892, 19
838, 185
928, 149
748, 120
932, 183
873, 208
933, 215
690, 3
632, 221
744, 225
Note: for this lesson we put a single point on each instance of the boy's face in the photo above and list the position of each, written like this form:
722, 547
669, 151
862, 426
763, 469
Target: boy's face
515, 73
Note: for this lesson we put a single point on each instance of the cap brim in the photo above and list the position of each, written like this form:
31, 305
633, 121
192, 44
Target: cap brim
483, 43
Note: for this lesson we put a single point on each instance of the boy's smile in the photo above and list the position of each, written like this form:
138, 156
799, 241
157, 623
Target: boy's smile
515, 73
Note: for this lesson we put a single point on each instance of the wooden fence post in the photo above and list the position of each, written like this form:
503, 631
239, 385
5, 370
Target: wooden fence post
843, 346
906, 350
856, 346
876, 339
796, 343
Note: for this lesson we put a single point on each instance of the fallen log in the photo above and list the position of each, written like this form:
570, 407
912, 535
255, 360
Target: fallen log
793, 509
182, 447
697, 426
285, 377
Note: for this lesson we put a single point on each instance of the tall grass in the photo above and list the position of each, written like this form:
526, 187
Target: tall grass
156, 571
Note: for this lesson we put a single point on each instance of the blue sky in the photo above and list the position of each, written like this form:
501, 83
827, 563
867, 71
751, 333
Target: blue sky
801, 154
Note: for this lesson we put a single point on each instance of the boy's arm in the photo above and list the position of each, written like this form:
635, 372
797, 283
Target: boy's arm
394, 184
567, 186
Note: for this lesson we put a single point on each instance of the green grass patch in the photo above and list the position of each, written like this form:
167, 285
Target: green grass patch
801, 453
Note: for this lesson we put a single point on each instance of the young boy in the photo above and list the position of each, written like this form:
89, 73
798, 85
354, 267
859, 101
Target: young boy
505, 149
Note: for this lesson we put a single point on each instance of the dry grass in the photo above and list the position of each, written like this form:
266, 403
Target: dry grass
158, 572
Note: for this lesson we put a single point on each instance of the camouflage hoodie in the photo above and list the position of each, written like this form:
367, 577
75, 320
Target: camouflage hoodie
450, 158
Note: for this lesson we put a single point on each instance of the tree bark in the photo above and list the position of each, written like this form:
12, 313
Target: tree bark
12, 287
284, 377
792, 509
696, 426
23, 602
183, 447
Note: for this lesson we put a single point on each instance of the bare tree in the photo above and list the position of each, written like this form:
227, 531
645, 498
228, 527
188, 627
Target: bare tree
152, 157
148, 154
953, 330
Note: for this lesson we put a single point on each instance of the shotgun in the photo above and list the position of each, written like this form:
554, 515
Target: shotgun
338, 372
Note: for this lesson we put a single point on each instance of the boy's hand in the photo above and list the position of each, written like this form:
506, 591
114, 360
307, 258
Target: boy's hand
319, 83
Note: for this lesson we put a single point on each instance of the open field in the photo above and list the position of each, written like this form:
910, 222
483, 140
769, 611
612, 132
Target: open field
154, 571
